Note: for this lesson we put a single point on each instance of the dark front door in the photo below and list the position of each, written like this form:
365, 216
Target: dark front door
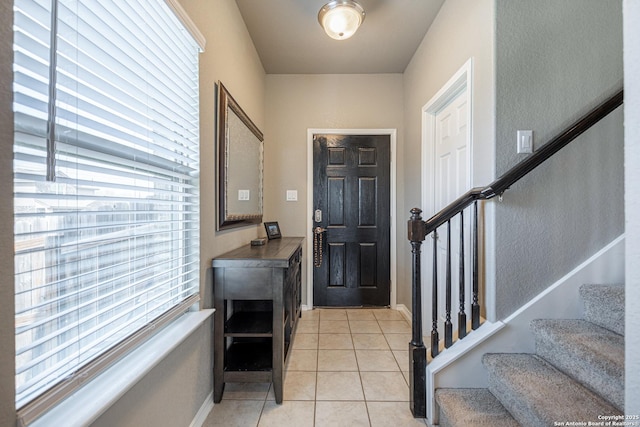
351, 190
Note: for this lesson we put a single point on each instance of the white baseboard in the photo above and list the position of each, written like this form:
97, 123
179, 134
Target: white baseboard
203, 412
400, 307
404, 311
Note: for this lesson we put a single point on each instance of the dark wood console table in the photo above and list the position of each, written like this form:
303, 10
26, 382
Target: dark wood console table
257, 300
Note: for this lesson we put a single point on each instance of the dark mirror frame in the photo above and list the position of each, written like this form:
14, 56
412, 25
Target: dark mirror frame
228, 219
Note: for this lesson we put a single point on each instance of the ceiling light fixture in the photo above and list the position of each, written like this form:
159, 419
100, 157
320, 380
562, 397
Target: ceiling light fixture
341, 18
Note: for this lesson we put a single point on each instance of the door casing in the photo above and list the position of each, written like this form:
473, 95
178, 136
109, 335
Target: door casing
392, 206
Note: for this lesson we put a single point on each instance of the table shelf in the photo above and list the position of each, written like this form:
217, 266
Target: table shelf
250, 324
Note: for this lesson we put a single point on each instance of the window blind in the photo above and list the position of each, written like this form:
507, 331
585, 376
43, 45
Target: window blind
106, 171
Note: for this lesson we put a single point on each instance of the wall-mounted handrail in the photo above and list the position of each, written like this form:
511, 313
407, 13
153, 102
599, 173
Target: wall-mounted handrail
514, 174
419, 229
550, 148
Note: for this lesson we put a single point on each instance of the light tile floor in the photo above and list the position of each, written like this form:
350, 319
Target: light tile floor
347, 367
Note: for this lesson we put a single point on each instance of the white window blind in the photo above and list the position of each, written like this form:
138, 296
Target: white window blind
106, 99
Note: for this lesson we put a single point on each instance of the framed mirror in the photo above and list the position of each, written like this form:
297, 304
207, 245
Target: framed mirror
240, 160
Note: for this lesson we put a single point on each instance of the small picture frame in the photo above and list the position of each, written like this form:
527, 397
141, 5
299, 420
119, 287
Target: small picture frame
273, 230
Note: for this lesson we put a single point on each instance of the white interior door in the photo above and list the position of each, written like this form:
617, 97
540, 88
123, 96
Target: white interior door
447, 164
452, 171
451, 151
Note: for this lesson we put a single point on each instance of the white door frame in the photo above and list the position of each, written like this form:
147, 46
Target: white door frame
392, 204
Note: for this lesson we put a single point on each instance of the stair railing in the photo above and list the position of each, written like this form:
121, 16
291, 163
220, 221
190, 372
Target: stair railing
418, 230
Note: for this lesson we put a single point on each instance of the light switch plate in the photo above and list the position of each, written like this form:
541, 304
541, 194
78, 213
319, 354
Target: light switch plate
525, 141
244, 195
292, 195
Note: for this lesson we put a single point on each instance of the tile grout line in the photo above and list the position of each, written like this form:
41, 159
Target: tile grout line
364, 396
263, 405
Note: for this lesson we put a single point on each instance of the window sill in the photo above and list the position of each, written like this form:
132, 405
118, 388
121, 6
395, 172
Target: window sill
89, 402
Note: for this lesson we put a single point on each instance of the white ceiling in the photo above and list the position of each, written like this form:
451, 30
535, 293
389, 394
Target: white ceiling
289, 39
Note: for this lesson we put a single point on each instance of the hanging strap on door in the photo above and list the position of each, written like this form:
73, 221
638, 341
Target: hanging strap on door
318, 245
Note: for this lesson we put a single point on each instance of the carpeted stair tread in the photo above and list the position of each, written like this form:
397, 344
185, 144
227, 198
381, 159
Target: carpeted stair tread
537, 394
590, 354
465, 407
604, 306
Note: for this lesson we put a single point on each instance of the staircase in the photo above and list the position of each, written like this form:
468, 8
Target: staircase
576, 375
506, 371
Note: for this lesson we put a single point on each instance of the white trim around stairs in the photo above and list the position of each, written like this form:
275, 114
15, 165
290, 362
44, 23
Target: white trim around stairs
461, 365
462, 349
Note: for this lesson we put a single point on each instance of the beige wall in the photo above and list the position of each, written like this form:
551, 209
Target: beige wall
463, 29
231, 58
7, 322
296, 103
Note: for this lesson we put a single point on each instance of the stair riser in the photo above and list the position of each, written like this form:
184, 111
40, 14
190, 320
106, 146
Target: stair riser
444, 421
516, 407
604, 306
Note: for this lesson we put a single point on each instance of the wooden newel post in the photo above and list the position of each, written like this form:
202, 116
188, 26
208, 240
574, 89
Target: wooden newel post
417, 350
